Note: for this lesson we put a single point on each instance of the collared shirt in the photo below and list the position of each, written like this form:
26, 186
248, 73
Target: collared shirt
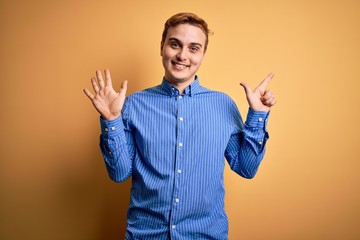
173, 146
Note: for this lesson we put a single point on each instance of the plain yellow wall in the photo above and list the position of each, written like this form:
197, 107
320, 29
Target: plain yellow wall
53, 180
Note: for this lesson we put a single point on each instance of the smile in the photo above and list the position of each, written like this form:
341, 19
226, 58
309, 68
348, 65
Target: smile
179, 65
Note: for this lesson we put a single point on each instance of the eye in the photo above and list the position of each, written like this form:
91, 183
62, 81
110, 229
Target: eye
174, 45
194, 49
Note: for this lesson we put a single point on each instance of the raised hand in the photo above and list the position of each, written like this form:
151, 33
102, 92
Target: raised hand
260, 99
106, 100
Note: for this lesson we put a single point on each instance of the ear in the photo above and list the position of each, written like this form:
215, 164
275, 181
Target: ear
161, 48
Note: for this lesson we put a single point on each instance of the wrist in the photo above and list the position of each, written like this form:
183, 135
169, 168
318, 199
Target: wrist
260, 109
110, 117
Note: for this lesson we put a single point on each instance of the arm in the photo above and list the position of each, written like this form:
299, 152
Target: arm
246, 147
115, 139
117, 147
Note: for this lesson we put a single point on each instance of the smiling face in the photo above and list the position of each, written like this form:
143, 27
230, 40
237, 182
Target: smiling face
182, 53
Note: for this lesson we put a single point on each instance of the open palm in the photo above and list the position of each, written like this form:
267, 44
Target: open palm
106, 100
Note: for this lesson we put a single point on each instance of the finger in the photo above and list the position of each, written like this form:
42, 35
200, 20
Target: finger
124, 86
273, 102
95, 85
266, 81
270, 101
108, 81
100, 79
88, 94
267, 94
246, 88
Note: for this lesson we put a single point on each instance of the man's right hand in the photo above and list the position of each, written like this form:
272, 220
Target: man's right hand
107, 101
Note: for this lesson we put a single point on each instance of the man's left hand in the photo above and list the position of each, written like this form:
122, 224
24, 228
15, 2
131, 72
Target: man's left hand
260, 99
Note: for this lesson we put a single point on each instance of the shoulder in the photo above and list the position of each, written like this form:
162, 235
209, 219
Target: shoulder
155, 90
145, 93
217, 95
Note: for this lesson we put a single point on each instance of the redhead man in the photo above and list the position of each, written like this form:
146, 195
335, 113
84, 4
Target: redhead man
172, 140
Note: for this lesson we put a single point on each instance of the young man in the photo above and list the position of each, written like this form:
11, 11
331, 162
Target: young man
172, 139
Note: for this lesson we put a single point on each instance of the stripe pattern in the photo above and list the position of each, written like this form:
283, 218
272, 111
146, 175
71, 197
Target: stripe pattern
173, 146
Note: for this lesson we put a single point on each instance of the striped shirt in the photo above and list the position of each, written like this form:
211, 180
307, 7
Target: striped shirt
173, 146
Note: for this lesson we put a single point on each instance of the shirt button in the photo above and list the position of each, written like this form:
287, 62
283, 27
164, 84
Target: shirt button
177, 200
180, 97
180, 144
113, 128
173, 226
260, 119
179, 170
181, 119
106, 129
260, 143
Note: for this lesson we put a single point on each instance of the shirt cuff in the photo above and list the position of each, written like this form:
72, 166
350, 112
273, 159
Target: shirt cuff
257, 119
110, 128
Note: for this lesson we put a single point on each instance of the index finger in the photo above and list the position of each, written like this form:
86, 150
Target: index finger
266, 81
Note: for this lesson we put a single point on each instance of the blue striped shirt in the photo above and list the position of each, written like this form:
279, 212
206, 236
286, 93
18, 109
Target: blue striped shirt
173, 146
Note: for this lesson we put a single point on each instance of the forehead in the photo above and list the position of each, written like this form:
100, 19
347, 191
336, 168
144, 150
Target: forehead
187, 33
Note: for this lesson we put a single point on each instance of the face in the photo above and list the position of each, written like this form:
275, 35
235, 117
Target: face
182, 53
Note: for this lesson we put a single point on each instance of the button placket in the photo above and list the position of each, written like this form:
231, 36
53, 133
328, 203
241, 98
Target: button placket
178, 161
180, 129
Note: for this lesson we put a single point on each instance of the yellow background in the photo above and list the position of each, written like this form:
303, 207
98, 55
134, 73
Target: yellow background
53, 180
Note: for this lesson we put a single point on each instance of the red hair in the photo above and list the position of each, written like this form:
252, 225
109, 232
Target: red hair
187, 18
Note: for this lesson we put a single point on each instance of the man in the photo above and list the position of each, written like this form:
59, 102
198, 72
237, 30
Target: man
172, 139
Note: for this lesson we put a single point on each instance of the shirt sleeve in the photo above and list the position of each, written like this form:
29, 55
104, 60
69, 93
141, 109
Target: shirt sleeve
117, 147
246, 147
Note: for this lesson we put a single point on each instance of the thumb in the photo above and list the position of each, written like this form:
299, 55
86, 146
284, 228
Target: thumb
246, 88
124, 86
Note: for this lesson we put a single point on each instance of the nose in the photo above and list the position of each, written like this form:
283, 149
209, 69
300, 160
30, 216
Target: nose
181, 55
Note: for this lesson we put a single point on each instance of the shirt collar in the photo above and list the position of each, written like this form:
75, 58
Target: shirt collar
190, 90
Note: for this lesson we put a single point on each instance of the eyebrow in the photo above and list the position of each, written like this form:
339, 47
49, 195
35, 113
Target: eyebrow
177, 40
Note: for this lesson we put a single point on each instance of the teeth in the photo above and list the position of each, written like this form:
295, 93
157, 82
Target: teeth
180, 66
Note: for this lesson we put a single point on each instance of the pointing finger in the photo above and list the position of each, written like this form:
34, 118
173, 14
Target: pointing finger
266, 81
